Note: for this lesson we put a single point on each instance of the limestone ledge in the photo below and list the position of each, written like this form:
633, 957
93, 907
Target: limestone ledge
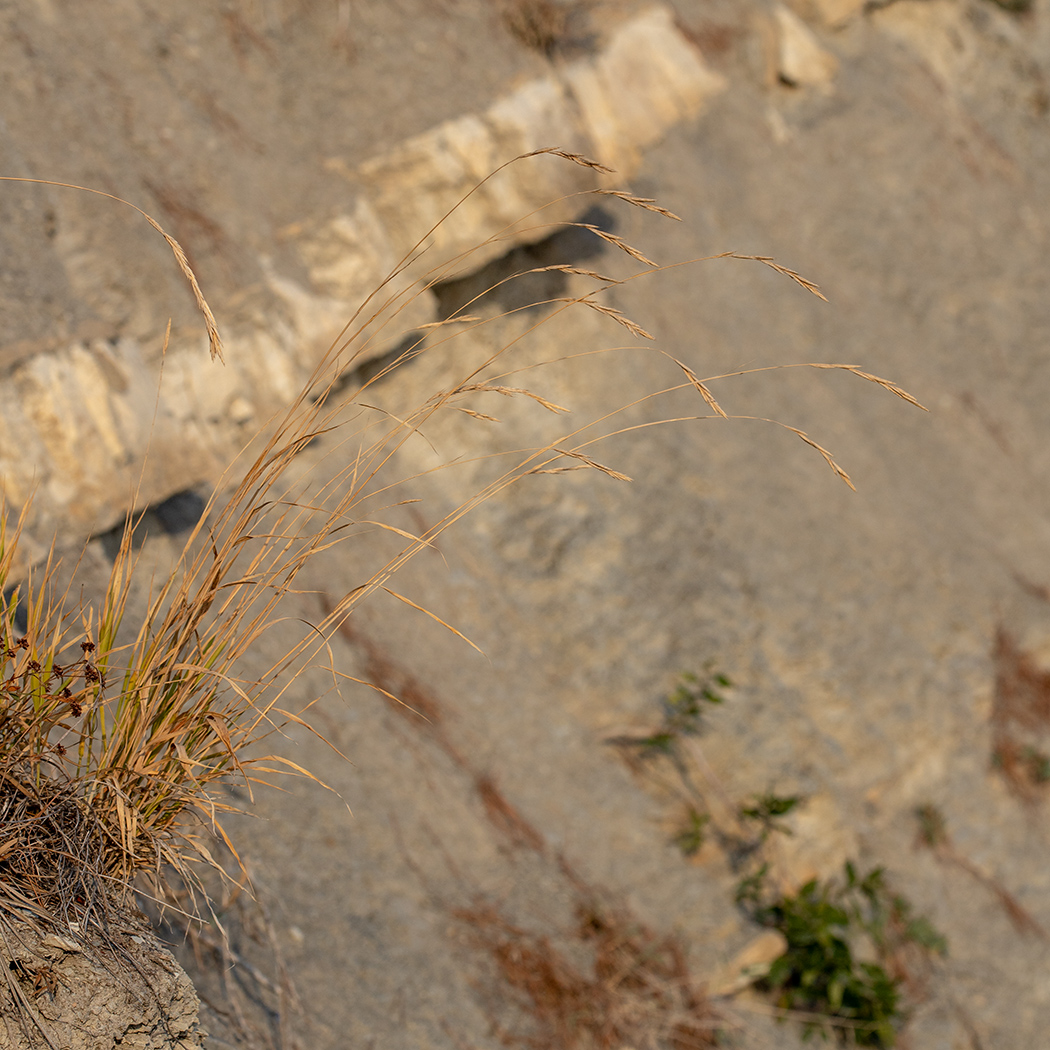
99, 426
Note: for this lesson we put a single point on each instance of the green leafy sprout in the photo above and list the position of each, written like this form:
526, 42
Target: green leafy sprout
690, 838
766, 810
820, 972
683, 710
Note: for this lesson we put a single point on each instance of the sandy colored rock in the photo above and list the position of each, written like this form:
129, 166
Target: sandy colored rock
938, 30
750, 964
130, 993
416, 185
833, 13
801, 60
609, 107
838, 12
646, 79
818, 840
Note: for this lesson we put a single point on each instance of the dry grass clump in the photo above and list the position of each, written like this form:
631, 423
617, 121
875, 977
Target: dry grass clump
638, 992
53, 854
123, 735
546, 26
1020, 718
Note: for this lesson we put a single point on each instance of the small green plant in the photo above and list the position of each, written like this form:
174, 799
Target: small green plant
1036, 764
682, 716
820, 972
887, 917
749, 888
683, 711
766, 810
684, 707
933, 829
690, 837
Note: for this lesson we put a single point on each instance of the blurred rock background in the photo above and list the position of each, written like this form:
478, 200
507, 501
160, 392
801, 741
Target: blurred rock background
896, 154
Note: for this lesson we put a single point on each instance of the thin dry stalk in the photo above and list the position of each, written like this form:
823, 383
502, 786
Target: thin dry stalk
933, 835
575, 158
886, 383
769, 261
702, 387
619, 242
646, 203
609, 311
214, 339
565, 268
514, 391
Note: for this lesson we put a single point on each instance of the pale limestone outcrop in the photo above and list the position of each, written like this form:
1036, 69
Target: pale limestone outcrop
954, 38
801, 61
76, 423
610, 107
647, 79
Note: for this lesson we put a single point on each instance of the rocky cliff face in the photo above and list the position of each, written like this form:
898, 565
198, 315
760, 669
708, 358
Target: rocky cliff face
895, 153
65, 990
84, 397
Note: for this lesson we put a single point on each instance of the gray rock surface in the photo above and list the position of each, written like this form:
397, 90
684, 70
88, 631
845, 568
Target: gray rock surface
62, 992
858, 627
80, 409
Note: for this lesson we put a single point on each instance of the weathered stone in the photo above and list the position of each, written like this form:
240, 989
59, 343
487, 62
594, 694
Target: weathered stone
426, 191
838, 12
93, 996
937, 30
801, 61
820, 839
610, 107
647, 79
832, 13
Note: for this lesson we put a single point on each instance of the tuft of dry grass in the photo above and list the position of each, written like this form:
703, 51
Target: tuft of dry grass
542, 25
637, 993
53, 853
1020, 718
